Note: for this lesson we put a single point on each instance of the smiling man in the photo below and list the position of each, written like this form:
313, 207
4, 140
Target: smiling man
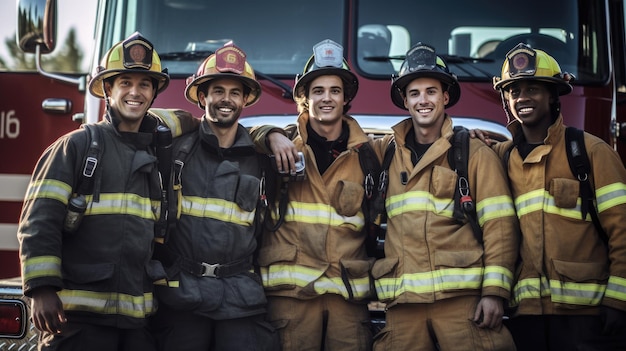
314, 265
444, 283
89, 281
572, 270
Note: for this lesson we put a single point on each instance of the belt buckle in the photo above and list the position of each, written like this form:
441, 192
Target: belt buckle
209, 269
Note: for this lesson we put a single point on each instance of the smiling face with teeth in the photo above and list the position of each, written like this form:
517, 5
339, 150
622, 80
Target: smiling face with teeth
224, 101
426, 100
130, 95
529, 102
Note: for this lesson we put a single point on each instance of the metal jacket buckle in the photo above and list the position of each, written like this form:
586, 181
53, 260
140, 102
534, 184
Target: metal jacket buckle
209, 270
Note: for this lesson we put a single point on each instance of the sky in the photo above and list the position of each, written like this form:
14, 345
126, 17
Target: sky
79, 14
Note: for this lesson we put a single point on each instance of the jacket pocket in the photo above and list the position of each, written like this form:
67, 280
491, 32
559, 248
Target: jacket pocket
582, 272
458, 270
155, 270
384, 267
247, 194
443, 181
579, 284
277, 253
88, 273
357, 268
185, 295
347, 198
564, 191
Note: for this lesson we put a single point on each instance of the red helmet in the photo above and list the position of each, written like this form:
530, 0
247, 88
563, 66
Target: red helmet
229, 61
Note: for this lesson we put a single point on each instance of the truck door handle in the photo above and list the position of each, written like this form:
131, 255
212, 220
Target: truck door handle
56, 106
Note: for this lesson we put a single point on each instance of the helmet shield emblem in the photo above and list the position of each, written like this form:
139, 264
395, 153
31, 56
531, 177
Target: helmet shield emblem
328, 54
522, 61
230, 58
137, 53
421, 57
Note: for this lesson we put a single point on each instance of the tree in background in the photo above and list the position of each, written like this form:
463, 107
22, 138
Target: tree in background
67, 58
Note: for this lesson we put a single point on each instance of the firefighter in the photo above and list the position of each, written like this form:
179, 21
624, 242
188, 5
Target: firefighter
315, 268
88, 273
214, 300
444, 283
570, 290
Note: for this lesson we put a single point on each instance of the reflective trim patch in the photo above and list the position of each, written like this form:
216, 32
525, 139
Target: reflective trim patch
48, 189
107, 303
312, 213
294, 275
218, 209
610, 196
541, 200
122, 203
418, 201
430, 282
42, 266
494, 208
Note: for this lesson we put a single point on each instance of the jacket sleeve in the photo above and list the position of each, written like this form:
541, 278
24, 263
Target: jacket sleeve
180, 122
40, 229
609, 178
496, 216
259, 136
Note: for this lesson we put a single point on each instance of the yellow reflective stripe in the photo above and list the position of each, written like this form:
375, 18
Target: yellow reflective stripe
122, 203
280, 275
616, 288
313, 213
541, 200
42, 266
497, 276
610, 196
585, 294
49, 189
418, 201
107, 302
430, 282
530, 288
494, 208
218, 209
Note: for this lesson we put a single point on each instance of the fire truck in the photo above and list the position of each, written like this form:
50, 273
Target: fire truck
587, 38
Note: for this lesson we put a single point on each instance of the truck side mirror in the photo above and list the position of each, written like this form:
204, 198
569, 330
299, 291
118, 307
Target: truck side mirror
36, 25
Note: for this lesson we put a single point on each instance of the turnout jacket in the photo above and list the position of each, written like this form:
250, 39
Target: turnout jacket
319, 248
429, 255
217, 209
565, 266
103, 271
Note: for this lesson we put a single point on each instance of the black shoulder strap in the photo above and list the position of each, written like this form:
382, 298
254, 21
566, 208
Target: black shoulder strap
375, 185
581, 168
458, 159
89, 182
175, 190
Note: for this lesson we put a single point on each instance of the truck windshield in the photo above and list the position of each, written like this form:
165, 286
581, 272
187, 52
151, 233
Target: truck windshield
474, 36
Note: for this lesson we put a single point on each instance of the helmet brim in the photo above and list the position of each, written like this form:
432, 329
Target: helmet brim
191, 91
96, 88
351, 83
562, 86
399, 84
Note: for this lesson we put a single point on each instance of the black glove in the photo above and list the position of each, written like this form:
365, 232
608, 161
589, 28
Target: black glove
613, 321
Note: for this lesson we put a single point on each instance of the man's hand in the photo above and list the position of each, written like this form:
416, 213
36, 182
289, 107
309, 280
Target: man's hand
284, 151
483, 135
489, 312
47, 310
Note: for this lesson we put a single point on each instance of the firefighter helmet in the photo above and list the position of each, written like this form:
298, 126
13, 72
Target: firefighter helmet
525, 63
327, 59
421, 61
133, 55
229, 61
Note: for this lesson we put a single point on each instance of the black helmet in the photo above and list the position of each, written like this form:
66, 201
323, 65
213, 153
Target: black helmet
422, 61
